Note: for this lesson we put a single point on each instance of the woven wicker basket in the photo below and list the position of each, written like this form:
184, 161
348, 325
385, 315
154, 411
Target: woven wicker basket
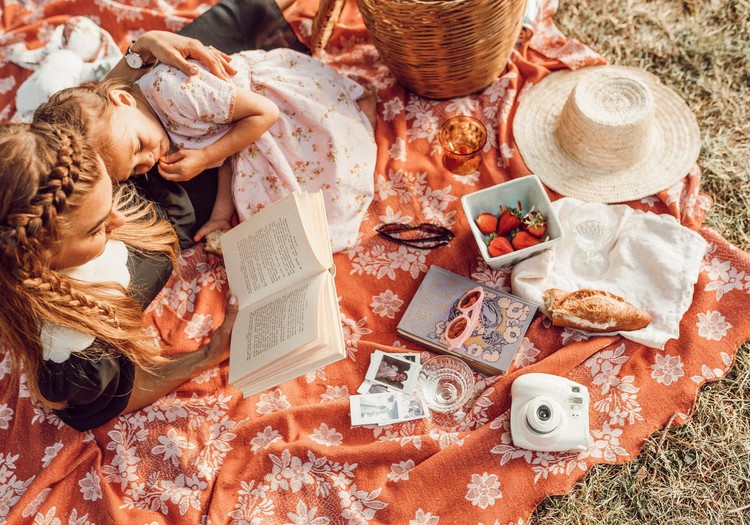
444, 48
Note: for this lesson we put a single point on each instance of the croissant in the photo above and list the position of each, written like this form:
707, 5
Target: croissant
593, 311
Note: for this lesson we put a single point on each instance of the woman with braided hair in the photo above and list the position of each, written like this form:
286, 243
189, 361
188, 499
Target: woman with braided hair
77, 265
71, 316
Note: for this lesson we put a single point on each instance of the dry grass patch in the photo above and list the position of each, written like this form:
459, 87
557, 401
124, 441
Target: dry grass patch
699, 472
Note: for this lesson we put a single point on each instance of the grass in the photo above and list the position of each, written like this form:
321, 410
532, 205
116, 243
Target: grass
699, 472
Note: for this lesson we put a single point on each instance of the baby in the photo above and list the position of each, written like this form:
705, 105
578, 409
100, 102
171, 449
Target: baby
285, 122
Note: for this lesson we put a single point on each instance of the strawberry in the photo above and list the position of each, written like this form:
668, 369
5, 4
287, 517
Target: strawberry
509, 221
524, 239
536, 224
499, 246
486, 222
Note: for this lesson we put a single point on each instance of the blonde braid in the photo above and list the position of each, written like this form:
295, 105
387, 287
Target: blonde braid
58, 291
52, 198
52, 193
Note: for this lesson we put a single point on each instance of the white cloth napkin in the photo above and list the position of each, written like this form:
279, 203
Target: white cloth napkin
654, 265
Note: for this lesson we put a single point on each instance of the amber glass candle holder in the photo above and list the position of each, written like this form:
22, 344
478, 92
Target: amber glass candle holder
462, 140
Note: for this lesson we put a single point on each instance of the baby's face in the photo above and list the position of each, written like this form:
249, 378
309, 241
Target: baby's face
138, 141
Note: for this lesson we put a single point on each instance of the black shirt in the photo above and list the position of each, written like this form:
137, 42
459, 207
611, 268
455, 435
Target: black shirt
97, 389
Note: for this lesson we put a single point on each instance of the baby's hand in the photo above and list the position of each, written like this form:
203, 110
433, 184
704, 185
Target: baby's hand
182, 165
212, 225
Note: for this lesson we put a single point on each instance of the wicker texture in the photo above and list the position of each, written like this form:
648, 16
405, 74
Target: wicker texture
324, 22
444, 49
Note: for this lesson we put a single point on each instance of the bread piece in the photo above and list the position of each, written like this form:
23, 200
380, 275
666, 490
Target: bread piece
213, 243
593, 311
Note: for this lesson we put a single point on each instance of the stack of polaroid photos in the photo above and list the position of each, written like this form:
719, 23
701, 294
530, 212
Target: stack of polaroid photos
388, 393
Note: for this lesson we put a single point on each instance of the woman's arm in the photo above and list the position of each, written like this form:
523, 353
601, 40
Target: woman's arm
174, 50
253, 115
150, 386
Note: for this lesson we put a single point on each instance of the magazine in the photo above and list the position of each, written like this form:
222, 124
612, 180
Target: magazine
504, 319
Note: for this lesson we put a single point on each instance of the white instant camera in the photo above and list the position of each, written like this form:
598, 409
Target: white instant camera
549, 413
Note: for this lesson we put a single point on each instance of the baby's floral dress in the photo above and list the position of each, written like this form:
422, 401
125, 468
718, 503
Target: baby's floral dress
321, 141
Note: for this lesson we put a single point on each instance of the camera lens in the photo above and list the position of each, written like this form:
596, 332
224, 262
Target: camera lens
543, 415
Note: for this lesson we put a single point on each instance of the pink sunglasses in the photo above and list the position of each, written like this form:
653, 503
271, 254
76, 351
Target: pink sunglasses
460, 328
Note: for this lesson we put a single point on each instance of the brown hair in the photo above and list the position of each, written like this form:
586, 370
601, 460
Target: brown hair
87, 109
45, 174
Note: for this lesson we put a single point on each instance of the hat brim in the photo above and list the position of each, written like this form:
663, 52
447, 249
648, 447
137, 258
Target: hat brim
675, 143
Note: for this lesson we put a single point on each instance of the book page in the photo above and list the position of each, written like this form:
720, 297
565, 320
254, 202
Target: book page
276, 247
314, 216
328, 347
281, 324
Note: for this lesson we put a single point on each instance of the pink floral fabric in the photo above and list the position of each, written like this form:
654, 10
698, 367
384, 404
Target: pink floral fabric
195, 111
203, 454
322, 141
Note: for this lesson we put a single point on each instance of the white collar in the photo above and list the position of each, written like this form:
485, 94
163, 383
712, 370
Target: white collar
58, 342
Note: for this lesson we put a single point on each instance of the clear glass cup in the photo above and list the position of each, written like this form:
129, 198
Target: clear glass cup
445, 383
594, 225
462, 139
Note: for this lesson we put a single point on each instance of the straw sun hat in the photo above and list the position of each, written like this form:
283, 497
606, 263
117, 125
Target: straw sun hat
606, 133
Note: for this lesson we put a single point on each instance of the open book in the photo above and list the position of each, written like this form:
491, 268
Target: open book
280, 267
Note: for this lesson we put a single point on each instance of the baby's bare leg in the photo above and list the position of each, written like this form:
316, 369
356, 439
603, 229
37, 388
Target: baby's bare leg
223, 210
368, 103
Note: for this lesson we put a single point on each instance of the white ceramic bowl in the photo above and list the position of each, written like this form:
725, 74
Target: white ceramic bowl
530, 192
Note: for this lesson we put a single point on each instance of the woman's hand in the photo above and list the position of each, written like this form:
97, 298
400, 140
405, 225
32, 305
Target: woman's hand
217, 349
151, 385
173, 50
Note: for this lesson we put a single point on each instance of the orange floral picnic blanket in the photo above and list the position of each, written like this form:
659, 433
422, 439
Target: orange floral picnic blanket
203, 454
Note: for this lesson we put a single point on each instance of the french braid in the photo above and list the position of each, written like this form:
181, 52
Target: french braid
51, 198
58, 291
28, 220
45, 175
